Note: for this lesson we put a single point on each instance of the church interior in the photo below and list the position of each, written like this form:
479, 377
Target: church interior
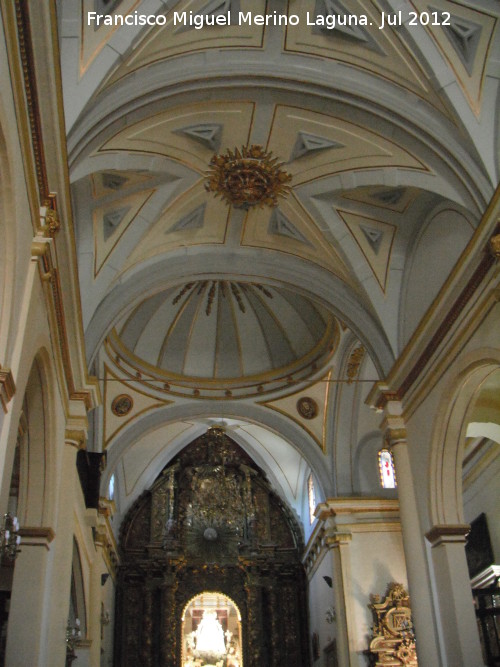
249, 333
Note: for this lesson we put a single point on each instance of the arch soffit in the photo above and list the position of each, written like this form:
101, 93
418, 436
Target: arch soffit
449, 433
288, 431
420, 130
246, 264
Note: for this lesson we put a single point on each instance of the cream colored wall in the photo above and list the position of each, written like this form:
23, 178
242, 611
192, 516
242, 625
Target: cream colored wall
377, 559
321, 598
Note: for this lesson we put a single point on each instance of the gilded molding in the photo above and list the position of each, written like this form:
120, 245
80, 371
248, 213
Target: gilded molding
27, 59
7, 387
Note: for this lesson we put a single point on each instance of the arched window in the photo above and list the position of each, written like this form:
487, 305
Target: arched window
386, 467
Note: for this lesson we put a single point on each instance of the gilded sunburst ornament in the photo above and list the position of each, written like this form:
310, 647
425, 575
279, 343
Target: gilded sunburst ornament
247, 177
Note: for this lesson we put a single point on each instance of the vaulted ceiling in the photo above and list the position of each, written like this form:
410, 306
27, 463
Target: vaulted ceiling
200, 311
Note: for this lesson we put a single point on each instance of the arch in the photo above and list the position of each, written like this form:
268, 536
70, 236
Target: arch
155, 274
449, 433
232, 640
36, 433
273, 421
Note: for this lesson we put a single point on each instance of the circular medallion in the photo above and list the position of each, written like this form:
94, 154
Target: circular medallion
307, 407
122, 405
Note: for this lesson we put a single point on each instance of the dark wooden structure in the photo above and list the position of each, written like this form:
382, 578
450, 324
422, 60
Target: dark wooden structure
211, 522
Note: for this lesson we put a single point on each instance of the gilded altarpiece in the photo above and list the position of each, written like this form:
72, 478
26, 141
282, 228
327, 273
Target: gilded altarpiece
211, 522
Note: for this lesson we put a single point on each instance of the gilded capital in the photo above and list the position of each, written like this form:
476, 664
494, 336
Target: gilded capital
75, 438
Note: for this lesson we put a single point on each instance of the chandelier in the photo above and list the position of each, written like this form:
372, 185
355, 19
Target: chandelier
9, 537
247, 177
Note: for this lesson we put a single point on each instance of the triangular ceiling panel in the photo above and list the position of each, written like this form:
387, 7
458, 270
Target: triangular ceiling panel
171, 40
208, 134
298, 235
280, 225
310, 143
375, 239
166, 134
109, 183
356, 147
190, 222
464, 43
110, 223
381, 52
195, 218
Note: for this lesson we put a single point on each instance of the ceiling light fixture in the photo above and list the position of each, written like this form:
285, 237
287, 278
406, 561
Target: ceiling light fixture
247, 177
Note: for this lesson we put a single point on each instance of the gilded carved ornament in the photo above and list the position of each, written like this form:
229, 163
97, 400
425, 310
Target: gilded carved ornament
247, 177
49, 218
393, 641
353, 365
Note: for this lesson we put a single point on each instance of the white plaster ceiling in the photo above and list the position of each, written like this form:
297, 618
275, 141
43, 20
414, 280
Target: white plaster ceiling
383, 132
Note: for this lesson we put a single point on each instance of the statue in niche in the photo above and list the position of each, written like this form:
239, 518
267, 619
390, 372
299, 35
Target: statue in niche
393, 641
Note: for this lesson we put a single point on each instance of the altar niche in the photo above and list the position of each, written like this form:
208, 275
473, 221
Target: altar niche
211, 632
211, 529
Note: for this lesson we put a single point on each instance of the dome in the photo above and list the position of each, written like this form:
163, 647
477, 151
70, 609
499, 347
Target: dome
225, 331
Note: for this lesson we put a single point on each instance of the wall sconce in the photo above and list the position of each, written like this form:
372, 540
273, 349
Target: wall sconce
9, 537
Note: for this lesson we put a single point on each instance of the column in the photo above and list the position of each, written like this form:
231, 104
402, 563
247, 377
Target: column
453, 591
28, 618
419, 583
59, 584
338, 543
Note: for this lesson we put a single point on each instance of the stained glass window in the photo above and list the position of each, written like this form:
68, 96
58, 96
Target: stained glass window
386, 467
311, 492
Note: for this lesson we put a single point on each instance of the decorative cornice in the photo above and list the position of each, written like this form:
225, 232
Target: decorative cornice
444, 534
350, 506
7, 387
27, 60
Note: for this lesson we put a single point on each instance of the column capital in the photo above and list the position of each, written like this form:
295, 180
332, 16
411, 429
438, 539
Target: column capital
336, 540
75, 438
446, 534
7, 387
